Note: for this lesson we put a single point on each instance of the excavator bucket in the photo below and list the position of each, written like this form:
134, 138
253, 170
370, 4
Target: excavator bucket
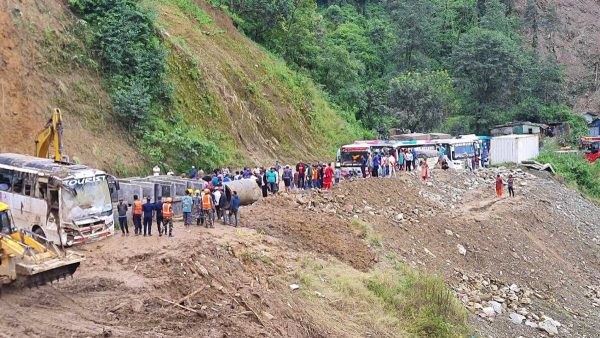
28, 262
37, 274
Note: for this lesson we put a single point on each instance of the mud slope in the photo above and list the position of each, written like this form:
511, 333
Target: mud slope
43, 66
570, 29
535, 254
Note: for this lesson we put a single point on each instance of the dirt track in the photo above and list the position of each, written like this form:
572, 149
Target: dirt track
545, 239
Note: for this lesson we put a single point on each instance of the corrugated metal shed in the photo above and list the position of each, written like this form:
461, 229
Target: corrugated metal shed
513, 148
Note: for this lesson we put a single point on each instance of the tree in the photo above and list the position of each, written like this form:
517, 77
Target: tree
418, 29
489, 68
421, 100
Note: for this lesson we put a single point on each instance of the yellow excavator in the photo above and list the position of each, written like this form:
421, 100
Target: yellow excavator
51, 135
29, 259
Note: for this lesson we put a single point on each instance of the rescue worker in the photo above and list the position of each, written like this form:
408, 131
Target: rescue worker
208, 208
122, 210
137, 215
167, 212
148, 209
186, 206
159, 215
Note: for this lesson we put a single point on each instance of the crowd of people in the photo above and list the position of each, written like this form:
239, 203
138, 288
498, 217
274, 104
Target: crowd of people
387, 164
210, 203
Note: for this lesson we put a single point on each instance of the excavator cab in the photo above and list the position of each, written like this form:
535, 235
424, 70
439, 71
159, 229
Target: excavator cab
29, 258
5, 220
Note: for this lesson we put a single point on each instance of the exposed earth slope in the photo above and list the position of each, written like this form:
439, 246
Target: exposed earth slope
535, 255
230, 91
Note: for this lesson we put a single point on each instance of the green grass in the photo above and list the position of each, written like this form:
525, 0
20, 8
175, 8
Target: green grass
190, 8
424, 300
577, 171
390, 301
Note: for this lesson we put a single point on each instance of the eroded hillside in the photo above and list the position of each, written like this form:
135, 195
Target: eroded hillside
226, 91
42, 66
570, 30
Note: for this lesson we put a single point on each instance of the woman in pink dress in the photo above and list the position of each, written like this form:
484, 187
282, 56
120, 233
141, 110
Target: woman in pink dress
424, 170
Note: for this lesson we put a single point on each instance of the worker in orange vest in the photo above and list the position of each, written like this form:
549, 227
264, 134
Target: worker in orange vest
167, 211
208, 208
137, 215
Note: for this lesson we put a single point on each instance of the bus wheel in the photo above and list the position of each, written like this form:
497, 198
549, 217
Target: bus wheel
38, 231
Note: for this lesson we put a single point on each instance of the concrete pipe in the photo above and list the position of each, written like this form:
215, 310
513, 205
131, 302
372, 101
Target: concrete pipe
247, 189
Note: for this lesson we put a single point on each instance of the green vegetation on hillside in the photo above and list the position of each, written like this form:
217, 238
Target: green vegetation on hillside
163, 96
407, 61
575, 169
390, 300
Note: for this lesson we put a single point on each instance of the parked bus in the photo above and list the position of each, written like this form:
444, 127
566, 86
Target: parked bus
349, 156
65, 203
457, 149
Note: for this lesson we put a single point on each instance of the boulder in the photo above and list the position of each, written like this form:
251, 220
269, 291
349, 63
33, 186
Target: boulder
497, 307
548, 326
489, 311
517, 318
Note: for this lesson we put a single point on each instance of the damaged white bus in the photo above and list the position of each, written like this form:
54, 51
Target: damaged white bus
66, 203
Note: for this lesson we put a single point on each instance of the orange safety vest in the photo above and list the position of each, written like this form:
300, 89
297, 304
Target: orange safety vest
167, 210
207, 201
137, 207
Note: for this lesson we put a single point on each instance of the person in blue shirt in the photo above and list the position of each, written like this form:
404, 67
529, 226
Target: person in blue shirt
193, 172
484, 156
234, 208
272, 180
414, 155
376, 162
186, 205
148, 209
364, 162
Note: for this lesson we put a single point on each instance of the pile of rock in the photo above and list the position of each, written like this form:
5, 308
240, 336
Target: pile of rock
593, 293
490, 298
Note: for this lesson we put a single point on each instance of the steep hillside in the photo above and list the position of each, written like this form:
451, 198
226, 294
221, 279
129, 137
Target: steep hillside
570, 30
232, 103
44, 65
247, 101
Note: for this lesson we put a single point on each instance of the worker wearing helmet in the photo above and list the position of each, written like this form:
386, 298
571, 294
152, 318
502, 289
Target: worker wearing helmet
208, 208
167, 212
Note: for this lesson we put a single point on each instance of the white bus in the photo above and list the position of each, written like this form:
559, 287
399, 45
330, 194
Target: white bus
460, 149
66, 203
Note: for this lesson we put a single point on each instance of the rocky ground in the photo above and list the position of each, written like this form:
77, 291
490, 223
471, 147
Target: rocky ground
525, 266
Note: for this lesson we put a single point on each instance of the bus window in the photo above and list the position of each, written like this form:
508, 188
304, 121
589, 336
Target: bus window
27, 184
6, 177
18, 183
42, 190
464, 149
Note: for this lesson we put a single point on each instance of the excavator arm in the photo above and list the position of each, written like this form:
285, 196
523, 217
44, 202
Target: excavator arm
50, 135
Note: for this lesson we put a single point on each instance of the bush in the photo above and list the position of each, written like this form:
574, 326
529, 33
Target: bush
575, 169
433, 309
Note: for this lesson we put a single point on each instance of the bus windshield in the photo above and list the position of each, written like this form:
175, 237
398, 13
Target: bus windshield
353, 157
83, 198
460, 150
